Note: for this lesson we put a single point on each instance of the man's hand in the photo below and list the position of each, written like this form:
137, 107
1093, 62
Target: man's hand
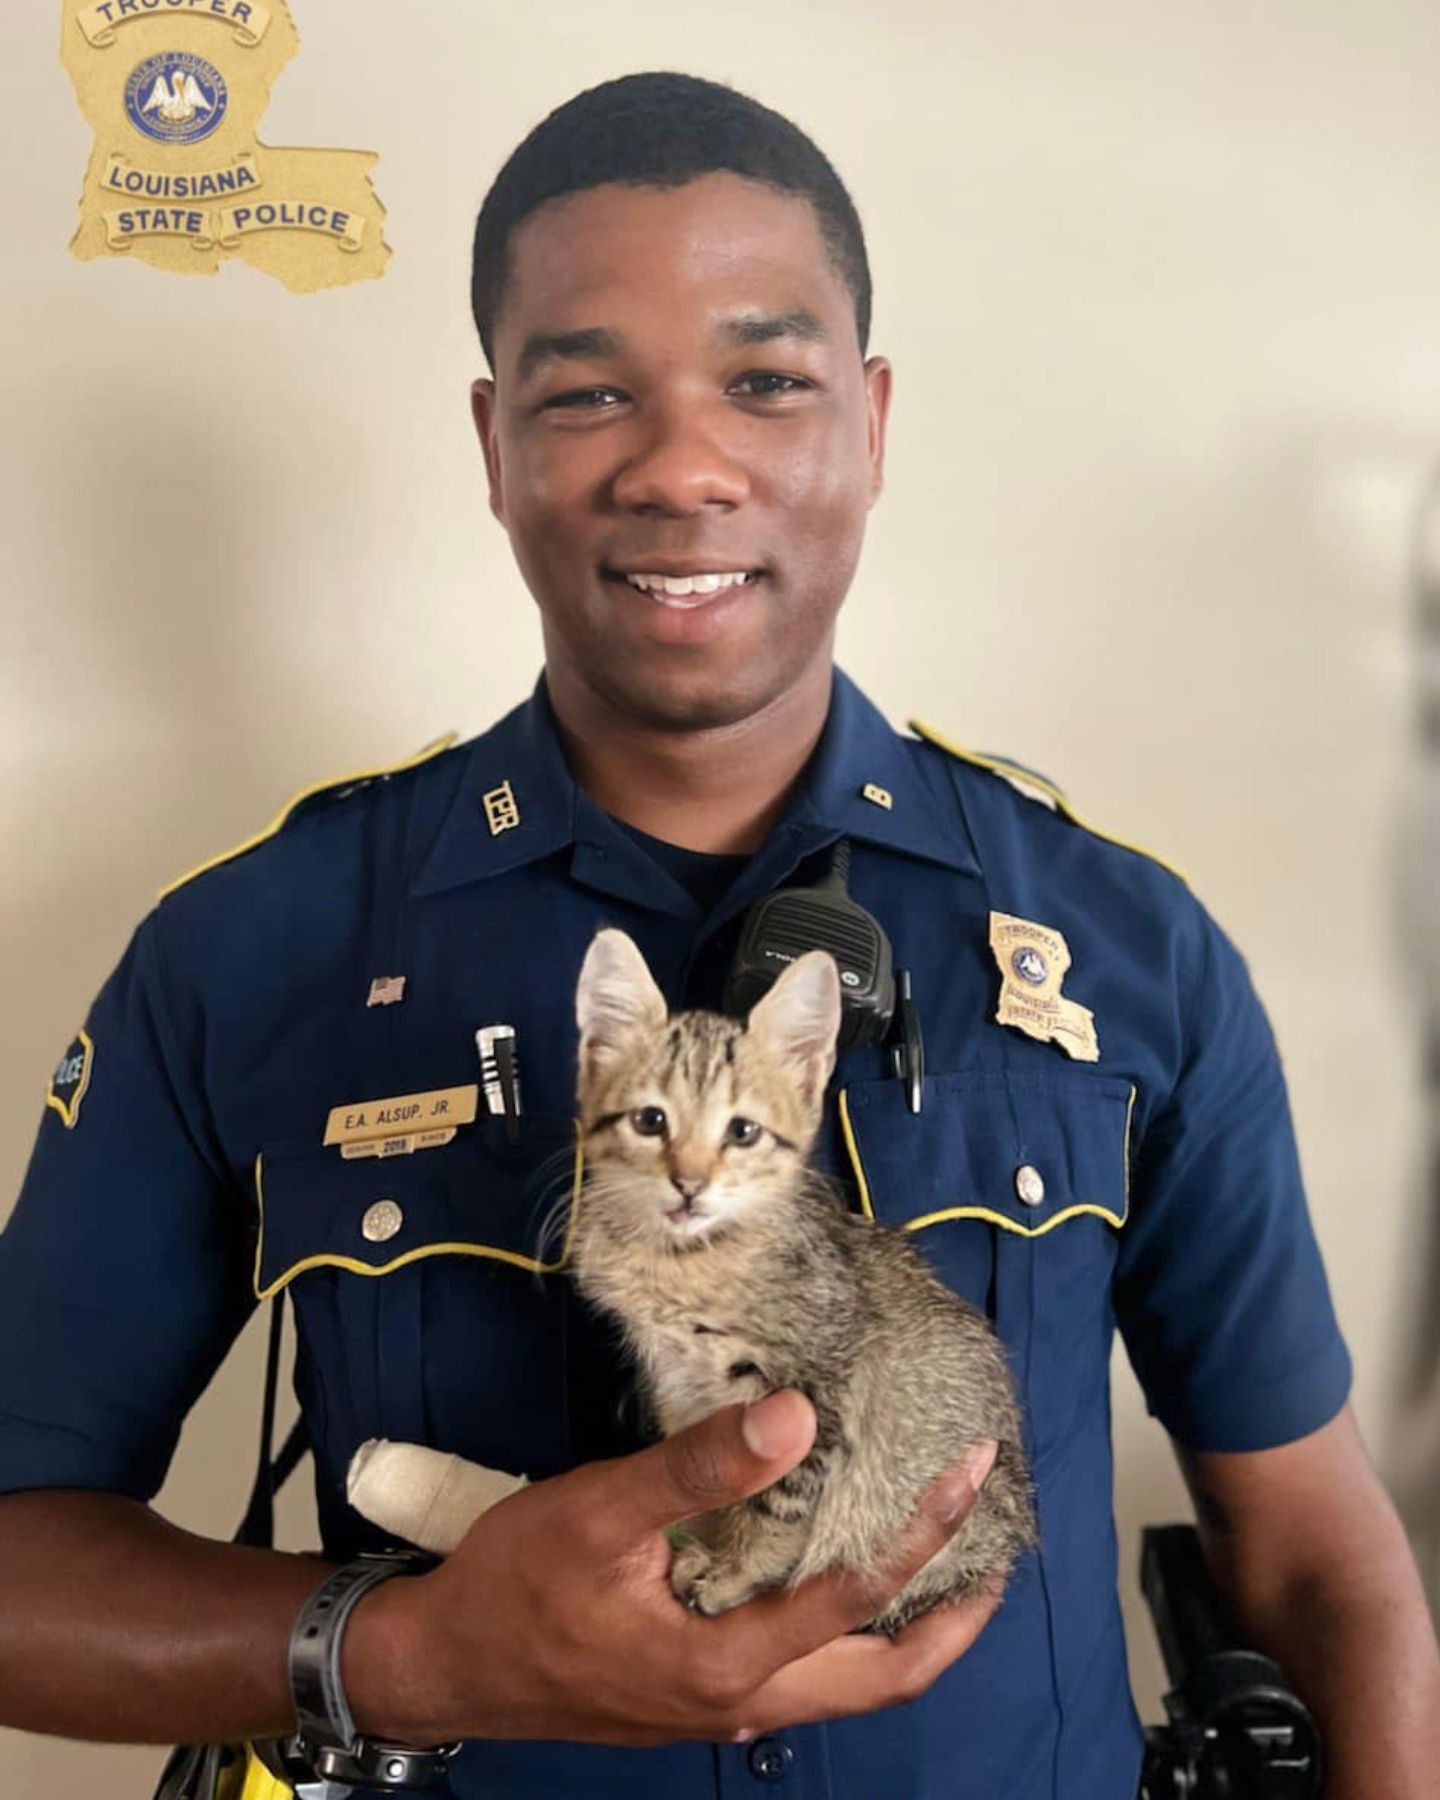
554, 1617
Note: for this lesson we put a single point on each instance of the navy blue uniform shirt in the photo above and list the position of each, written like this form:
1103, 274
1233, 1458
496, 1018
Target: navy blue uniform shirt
179, 1174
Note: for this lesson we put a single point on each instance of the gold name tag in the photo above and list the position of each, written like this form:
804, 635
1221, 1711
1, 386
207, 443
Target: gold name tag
408, 1121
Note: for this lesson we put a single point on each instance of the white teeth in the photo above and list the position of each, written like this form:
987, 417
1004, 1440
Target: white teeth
676, 586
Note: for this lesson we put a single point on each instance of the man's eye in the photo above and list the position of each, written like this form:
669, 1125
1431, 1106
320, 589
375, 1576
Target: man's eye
793, 384
649, 1121
578, 396
741, 1131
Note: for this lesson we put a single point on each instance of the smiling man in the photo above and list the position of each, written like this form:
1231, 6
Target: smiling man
683, 435
683, 443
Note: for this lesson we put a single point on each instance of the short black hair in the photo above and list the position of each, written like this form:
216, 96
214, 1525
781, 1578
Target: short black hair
660, 129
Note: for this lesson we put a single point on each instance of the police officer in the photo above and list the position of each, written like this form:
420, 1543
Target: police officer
683, 437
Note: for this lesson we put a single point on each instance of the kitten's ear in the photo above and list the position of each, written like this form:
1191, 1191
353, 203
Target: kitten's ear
800, 1015
615, 996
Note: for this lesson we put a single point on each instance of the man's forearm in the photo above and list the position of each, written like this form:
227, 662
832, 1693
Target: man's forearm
1358, 1646
119, 1627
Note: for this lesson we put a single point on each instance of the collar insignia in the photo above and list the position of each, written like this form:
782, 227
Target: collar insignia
501, 811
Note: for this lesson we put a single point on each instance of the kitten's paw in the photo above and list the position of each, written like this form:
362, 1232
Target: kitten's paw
688, 1571
707, 1586
721, 1588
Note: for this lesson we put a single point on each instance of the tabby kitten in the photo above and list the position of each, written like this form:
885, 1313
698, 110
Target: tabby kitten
734, 1270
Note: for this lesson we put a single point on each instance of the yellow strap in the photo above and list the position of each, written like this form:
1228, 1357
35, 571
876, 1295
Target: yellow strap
251, 1780
1014, 773
308, 793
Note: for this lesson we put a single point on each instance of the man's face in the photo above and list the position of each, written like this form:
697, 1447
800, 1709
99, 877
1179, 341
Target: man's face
679, 391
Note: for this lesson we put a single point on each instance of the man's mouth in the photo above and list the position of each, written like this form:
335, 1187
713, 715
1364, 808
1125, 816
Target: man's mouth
684, 591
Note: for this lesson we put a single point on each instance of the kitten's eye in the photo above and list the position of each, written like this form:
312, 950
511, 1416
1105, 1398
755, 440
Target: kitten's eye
649, 1121
741, 1131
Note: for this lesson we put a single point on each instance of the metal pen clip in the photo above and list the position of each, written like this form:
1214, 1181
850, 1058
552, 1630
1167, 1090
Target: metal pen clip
908, 1056
500, 1075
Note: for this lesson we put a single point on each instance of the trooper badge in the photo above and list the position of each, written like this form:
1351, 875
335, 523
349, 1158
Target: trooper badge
178, 176
1033, 960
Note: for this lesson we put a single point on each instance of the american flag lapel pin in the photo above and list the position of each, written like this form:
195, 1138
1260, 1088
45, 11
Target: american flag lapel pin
385, 990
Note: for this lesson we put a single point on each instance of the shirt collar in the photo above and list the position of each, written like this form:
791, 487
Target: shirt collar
868, 782
517, 800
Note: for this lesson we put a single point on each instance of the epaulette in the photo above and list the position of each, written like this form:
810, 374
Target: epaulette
1035, 787
335, 787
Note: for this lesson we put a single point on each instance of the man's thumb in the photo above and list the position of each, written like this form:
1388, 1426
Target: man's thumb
779, 1427
724, 1458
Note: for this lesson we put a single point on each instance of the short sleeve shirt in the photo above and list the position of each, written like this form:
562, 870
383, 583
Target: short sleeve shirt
182, 1173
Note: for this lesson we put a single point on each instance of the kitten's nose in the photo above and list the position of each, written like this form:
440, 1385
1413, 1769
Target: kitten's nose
687, 1186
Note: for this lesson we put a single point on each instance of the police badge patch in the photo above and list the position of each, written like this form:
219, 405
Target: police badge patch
179, 177
1034, 960
71, 1079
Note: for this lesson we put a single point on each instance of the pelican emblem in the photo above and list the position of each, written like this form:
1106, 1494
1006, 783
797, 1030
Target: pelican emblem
180, 104
175, 97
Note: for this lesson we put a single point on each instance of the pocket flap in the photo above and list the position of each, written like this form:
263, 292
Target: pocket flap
1023, 1151
475, 1196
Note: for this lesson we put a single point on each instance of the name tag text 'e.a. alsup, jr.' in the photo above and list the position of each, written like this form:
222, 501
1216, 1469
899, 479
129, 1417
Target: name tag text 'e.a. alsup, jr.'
400, 1123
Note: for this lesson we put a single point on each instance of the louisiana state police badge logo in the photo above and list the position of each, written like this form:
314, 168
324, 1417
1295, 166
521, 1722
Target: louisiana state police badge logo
176, 97
1034, 960
178, 178
71, 1079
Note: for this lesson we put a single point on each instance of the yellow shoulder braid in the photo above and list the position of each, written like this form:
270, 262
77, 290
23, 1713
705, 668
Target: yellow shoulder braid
1036, 787
308, 793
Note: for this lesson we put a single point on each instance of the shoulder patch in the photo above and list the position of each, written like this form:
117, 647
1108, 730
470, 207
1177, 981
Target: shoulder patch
335, 786
1035, 787
71, 1078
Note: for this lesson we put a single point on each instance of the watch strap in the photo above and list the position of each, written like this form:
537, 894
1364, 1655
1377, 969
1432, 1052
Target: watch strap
390, 1768
325, 1723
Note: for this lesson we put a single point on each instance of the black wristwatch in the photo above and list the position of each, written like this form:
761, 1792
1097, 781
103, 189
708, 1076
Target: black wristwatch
326, 1734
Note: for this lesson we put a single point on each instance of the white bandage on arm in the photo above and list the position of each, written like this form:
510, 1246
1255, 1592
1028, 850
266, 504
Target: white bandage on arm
428, 1497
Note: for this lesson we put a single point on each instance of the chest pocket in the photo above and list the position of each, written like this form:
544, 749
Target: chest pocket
1016, 1186
428, 1289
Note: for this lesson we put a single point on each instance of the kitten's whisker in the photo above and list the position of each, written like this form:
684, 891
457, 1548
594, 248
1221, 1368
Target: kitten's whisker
553, 1227
549, 1238
551, 1173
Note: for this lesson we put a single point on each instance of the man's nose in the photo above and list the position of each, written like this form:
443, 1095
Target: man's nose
680, 468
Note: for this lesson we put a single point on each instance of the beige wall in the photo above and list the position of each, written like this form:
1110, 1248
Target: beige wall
1160, 286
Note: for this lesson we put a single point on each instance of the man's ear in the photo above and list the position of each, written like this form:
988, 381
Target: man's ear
799, 1014
878, 382
482, 410
615, 997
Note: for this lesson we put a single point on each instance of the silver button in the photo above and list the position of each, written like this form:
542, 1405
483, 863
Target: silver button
382, 1221
1028, 1185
